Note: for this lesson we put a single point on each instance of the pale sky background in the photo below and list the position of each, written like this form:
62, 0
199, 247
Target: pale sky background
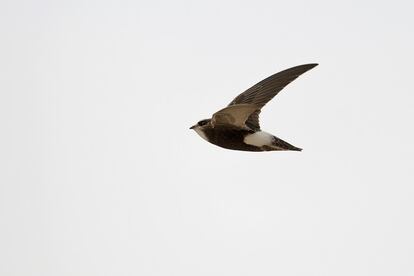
100, 174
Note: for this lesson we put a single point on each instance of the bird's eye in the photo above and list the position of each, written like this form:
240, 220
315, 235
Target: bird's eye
202, 123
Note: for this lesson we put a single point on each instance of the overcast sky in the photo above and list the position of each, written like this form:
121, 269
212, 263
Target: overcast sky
100, 174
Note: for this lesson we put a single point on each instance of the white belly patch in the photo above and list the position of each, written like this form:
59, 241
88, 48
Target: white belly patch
259, 139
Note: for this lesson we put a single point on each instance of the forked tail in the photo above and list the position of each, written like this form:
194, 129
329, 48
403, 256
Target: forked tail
279, 144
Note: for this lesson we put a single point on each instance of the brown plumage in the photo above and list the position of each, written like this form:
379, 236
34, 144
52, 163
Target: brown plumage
237, 126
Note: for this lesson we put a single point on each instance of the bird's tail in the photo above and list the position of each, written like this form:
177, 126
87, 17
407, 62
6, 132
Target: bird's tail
279, 144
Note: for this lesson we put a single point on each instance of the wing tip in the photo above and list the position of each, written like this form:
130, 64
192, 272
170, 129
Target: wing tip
310, 65
299, 69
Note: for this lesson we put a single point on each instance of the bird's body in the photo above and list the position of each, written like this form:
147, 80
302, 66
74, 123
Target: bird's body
237, 126
243, 139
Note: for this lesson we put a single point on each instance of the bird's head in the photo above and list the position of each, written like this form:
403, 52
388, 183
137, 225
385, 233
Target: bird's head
200, 127
200, 124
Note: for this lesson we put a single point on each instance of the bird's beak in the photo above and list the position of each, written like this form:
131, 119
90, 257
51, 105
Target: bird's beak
193, 127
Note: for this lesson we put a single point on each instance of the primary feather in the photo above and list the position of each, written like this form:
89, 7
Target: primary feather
262, 92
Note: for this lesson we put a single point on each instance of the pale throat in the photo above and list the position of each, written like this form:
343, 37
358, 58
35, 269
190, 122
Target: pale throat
200, 132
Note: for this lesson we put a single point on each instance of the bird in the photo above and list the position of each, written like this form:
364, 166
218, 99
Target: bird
237, 127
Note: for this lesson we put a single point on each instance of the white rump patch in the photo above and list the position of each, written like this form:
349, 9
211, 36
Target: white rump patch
200, 132
259, 139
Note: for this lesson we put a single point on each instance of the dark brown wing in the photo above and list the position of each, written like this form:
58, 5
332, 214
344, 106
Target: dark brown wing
262, 92
253, 121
